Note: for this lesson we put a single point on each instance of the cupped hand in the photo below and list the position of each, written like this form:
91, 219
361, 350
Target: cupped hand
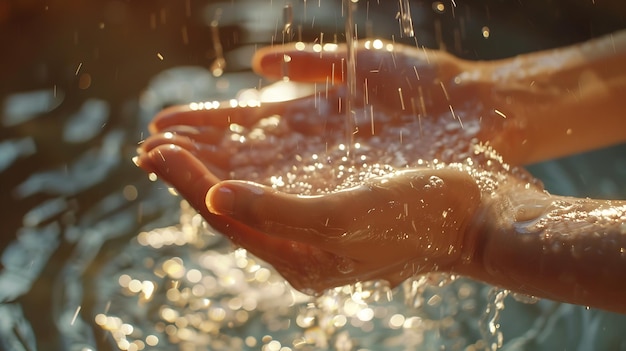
276, 180
421, 188
389, 227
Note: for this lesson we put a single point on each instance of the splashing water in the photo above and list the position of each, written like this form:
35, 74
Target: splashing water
490, 322
182, 287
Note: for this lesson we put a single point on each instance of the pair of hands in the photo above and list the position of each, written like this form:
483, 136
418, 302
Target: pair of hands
353, 224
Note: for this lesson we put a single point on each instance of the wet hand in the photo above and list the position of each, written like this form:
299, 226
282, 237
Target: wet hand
420, 191
274, 177
387, 75
389, 227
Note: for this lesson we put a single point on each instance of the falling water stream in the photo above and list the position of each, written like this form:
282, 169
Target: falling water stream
219, 63
351, 78
406, 20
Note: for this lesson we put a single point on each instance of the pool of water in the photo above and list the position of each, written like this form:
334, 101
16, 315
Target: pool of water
94, 256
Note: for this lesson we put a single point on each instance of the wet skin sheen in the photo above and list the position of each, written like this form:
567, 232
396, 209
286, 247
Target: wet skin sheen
432, 181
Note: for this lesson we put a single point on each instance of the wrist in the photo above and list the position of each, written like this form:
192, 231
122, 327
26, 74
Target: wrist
497, 214
453, 209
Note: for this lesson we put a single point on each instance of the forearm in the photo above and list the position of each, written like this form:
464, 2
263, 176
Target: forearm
566, 249
559, 102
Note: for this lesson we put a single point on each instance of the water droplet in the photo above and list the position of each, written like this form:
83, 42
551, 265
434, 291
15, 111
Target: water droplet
523, 298
528, 212
288, 22
435, 182
308, 291
439, 7
345, 265
485, 31
489, 326
219, 64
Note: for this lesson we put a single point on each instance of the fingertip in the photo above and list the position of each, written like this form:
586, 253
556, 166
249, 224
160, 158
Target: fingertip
142, 161
168, 117
257, 60
220, 200
268, 62
236, 198
300, 62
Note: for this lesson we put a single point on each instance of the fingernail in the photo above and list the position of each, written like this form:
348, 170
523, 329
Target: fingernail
221, 200
273, 65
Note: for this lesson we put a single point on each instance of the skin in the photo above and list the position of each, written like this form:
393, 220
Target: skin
432, 181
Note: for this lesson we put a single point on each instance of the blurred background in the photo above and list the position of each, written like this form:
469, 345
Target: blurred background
79, 81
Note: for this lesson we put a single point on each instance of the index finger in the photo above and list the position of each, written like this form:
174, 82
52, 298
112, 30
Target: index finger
375, 59
300, 62
320, 63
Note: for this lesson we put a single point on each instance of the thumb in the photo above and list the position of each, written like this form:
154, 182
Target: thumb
294, 217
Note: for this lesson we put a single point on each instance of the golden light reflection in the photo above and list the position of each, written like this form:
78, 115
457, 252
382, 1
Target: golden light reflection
300, 46
134, 286
130, 192
330, 47
147, 289
174, 268
198, 293
206, 105
152, 340
251, 341
486, 32
439, 7
396, 321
